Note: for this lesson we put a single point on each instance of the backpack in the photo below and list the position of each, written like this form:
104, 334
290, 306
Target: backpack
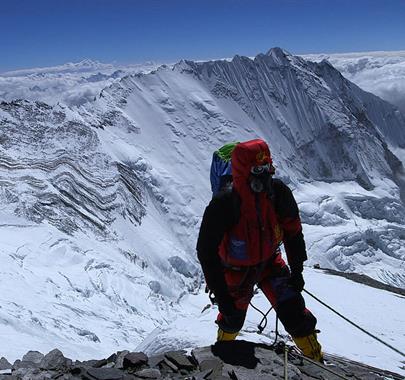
221, 168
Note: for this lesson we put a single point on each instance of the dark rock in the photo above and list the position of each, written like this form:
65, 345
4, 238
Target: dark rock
207, 374
269, 357
5, 374
135, 359
314, 371
55, 360
203, 353
120, 359
33, 356
181, 266
112, 358
213, 365
250, 361
100, 363
109, 365
103, 374
154, 361
93, 363
31, 374
16, 364
180, 360
168, 365
366, 280
89, 363
148, 373
4, 364
77, 370
24, 364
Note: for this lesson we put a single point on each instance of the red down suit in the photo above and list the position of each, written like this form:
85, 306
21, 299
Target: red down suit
238, 246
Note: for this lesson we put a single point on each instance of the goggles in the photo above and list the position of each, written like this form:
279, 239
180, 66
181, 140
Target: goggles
260, 169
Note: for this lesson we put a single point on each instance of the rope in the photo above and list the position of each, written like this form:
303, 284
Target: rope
261, 327
263, 323
385, 372
355, 325
285, 362
297, 355
275, 340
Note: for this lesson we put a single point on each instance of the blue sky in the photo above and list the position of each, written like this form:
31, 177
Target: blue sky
48, 32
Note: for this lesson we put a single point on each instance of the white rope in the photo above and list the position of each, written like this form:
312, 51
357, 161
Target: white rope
355, 325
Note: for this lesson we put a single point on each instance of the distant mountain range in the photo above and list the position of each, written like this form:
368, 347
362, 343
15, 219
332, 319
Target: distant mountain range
380, 72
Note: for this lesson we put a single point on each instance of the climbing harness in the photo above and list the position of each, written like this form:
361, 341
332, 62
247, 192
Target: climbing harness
354, 324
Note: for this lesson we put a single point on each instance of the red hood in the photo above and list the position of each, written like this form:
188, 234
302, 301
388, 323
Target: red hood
244, 157
256, 225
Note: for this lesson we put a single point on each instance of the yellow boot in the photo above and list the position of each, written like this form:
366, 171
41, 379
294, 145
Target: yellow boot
310, 346
225, 336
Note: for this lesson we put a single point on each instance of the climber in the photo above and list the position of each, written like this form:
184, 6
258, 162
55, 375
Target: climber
239, 247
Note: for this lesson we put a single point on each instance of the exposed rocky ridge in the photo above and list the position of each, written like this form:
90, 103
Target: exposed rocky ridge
238, 360
366, 280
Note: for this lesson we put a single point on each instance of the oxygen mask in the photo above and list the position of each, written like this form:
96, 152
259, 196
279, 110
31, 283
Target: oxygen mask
260, 177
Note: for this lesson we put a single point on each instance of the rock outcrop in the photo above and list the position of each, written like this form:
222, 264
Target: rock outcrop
237, 360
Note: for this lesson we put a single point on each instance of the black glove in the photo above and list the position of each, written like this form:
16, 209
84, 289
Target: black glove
296, 281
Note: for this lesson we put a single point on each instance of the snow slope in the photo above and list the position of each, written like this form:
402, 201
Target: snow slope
381, 72
101, 203
320, 128
377, 311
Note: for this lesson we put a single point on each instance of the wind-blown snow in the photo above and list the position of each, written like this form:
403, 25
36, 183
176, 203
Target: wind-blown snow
101, 203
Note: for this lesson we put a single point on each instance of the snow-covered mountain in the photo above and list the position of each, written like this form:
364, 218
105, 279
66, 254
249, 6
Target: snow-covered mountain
380, 72
72, 83
320, 128
101, 203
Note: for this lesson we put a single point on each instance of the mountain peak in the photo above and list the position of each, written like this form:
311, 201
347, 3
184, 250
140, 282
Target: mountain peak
87, 63
279, 55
